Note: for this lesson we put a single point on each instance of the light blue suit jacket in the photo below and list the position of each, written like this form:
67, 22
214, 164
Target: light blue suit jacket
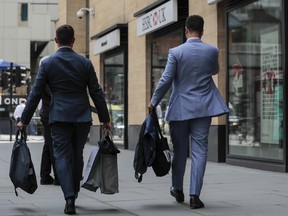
189, 70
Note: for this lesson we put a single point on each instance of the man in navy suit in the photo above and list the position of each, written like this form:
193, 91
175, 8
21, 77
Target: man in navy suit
47, 159
194, 101
69, 76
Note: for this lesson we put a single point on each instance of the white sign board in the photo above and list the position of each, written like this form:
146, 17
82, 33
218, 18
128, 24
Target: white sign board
157, 18
107, 42
212, 2
272, 86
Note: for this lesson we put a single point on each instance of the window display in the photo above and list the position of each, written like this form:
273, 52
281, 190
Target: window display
256, 80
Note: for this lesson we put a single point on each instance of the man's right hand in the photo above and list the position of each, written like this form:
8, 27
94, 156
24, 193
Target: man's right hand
21, 126
150, 107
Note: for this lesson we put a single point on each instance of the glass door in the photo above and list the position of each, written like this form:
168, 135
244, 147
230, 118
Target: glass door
114, 93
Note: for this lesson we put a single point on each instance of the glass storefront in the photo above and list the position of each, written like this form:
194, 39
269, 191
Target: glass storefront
114, 93
160, 49
255, 64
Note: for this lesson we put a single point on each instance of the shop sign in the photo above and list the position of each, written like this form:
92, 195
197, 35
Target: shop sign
212, 2
157, 18
107, 42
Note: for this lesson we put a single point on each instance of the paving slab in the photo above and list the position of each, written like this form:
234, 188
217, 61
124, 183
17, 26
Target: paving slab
227, 191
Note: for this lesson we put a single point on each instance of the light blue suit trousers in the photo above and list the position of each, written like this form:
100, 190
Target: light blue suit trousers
181, 131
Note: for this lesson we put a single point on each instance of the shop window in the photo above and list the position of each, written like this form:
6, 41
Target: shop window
256, 80
114, 94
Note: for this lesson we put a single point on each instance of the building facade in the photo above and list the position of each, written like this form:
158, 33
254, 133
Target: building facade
26, 28
128, 45
26, 35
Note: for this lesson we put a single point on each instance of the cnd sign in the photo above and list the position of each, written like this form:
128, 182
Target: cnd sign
15, 100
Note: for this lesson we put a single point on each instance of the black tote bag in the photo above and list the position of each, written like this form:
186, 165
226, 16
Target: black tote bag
22, 172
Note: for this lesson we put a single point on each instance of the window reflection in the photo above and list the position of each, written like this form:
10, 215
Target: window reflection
256, 80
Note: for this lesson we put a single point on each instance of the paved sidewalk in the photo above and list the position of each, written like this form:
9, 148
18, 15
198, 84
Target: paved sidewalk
228, 191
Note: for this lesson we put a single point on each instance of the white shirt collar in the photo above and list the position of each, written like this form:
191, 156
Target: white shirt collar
193, 38
65, 47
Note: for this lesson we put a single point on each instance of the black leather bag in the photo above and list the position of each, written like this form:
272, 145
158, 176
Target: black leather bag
106, 144
22, 173
162, 163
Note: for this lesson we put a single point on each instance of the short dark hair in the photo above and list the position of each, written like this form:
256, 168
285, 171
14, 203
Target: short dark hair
65, 34
195, 23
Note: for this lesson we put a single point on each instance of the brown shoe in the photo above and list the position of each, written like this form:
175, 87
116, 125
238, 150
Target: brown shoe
196, 203
178, 194
70, 206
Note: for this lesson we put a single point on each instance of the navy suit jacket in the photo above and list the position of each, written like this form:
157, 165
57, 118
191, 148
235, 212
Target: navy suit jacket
69, 76
189, 70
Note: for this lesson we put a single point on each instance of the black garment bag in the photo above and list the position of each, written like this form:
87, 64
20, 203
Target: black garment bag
162, 163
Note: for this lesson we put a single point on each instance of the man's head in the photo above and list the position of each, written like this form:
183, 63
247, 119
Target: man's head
65, 36
194, 25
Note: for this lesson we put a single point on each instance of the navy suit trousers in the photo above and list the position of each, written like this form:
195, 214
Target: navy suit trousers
47, 159
68, 143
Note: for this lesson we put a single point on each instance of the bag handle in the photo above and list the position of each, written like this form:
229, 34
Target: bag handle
104, 133
23, 135
156, 122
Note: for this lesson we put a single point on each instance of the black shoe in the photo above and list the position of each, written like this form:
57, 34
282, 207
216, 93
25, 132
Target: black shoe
70, 206
196, 203
47, 181
178, 194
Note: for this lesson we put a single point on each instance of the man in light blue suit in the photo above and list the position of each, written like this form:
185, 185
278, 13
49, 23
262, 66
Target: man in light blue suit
194, 101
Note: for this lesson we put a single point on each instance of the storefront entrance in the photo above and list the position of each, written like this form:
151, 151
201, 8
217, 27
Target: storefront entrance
160, 49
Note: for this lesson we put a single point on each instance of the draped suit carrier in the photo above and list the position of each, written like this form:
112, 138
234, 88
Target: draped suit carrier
189, 70
70, 77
